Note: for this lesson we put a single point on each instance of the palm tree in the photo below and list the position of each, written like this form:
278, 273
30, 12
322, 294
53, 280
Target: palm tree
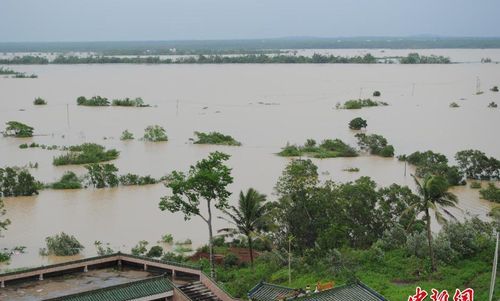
434, 195
248, 218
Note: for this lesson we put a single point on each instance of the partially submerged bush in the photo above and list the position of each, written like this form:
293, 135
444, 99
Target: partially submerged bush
102, 175
215, 138
357, 123
86, 153
492, 105
128, 102
155, 252
490, 193
39, 101
69, 180
329, 148
475, 185
102, 249
376, 93
132, 179
63, 245
494, 89
454, 105
95, 101
140, 248
361, 103
126, 135
375, 144
18, 130
167, 238
155, 133
16, 181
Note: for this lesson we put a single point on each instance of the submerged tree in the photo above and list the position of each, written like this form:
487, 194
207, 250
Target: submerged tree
358, 123
434, 195
248, 218
18, 129
206, 180
155, 133
3, 223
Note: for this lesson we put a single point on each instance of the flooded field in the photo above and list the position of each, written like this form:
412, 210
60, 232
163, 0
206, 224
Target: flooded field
230, 99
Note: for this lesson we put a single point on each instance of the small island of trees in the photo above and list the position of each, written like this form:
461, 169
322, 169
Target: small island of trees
329, 148
128, 102
215, 138
155, 133
375, 144
39, 101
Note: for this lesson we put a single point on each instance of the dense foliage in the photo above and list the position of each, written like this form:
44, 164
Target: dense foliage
490, 193
18, 129
132, 179
358, 123
415, 58
376, 94
18, 182
69, 180
215, 138
126, 135
155, 133
329, 148
3, 222
476, 165
94, 101
85, 153
39, 101
354, 104
375, 144
102, 175
431, 163
128, 102
63, 245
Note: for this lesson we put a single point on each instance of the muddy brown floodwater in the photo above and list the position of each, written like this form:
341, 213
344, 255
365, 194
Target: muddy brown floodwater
226, 98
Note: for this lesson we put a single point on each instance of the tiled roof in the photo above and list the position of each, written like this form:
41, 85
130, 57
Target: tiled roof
268, 292
122, 292
353, 292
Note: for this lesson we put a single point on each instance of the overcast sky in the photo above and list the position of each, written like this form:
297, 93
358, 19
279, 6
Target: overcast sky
98, 20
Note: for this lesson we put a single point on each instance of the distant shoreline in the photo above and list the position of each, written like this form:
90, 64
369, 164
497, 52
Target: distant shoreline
251, 46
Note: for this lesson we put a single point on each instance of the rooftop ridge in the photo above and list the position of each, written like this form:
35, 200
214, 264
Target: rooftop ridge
115, 287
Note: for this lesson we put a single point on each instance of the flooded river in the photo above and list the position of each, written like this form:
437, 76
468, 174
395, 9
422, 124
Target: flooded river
225, 98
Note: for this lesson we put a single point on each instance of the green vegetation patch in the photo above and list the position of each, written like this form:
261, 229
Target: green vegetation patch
490, 193
18, 130
39, 101
415, 58
15, 181
69, 180
133, 179
375, 144
355, 104
86, 153
155, 133
431, 163
94, 101
358, 123
215, 138
128, 102
329, 148
62, 245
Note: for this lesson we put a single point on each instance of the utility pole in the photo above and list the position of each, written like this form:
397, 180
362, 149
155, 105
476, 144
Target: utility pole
494, 272
67, 114
478, 86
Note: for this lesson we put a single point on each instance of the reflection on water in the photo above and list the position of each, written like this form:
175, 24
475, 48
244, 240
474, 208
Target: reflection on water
418, 118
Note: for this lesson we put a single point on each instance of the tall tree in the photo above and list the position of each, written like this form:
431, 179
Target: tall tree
248, 218
3, 223
207, 180
434, 195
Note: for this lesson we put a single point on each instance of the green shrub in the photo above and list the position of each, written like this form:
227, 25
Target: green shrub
354, 104
18, 130
329, 148
86, 153
63, 245
103, 250
215, 138
39, 101
69, 180
126, 135
454, 105
491, 193
494, 89
140, 248
155, 252
95, 101
167, 238
155, 133
15, 181
23, 146
375, 144
357, 123
230, 260
102, 175
132, 179
492, 105
475, 185
376, 93
127, 102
